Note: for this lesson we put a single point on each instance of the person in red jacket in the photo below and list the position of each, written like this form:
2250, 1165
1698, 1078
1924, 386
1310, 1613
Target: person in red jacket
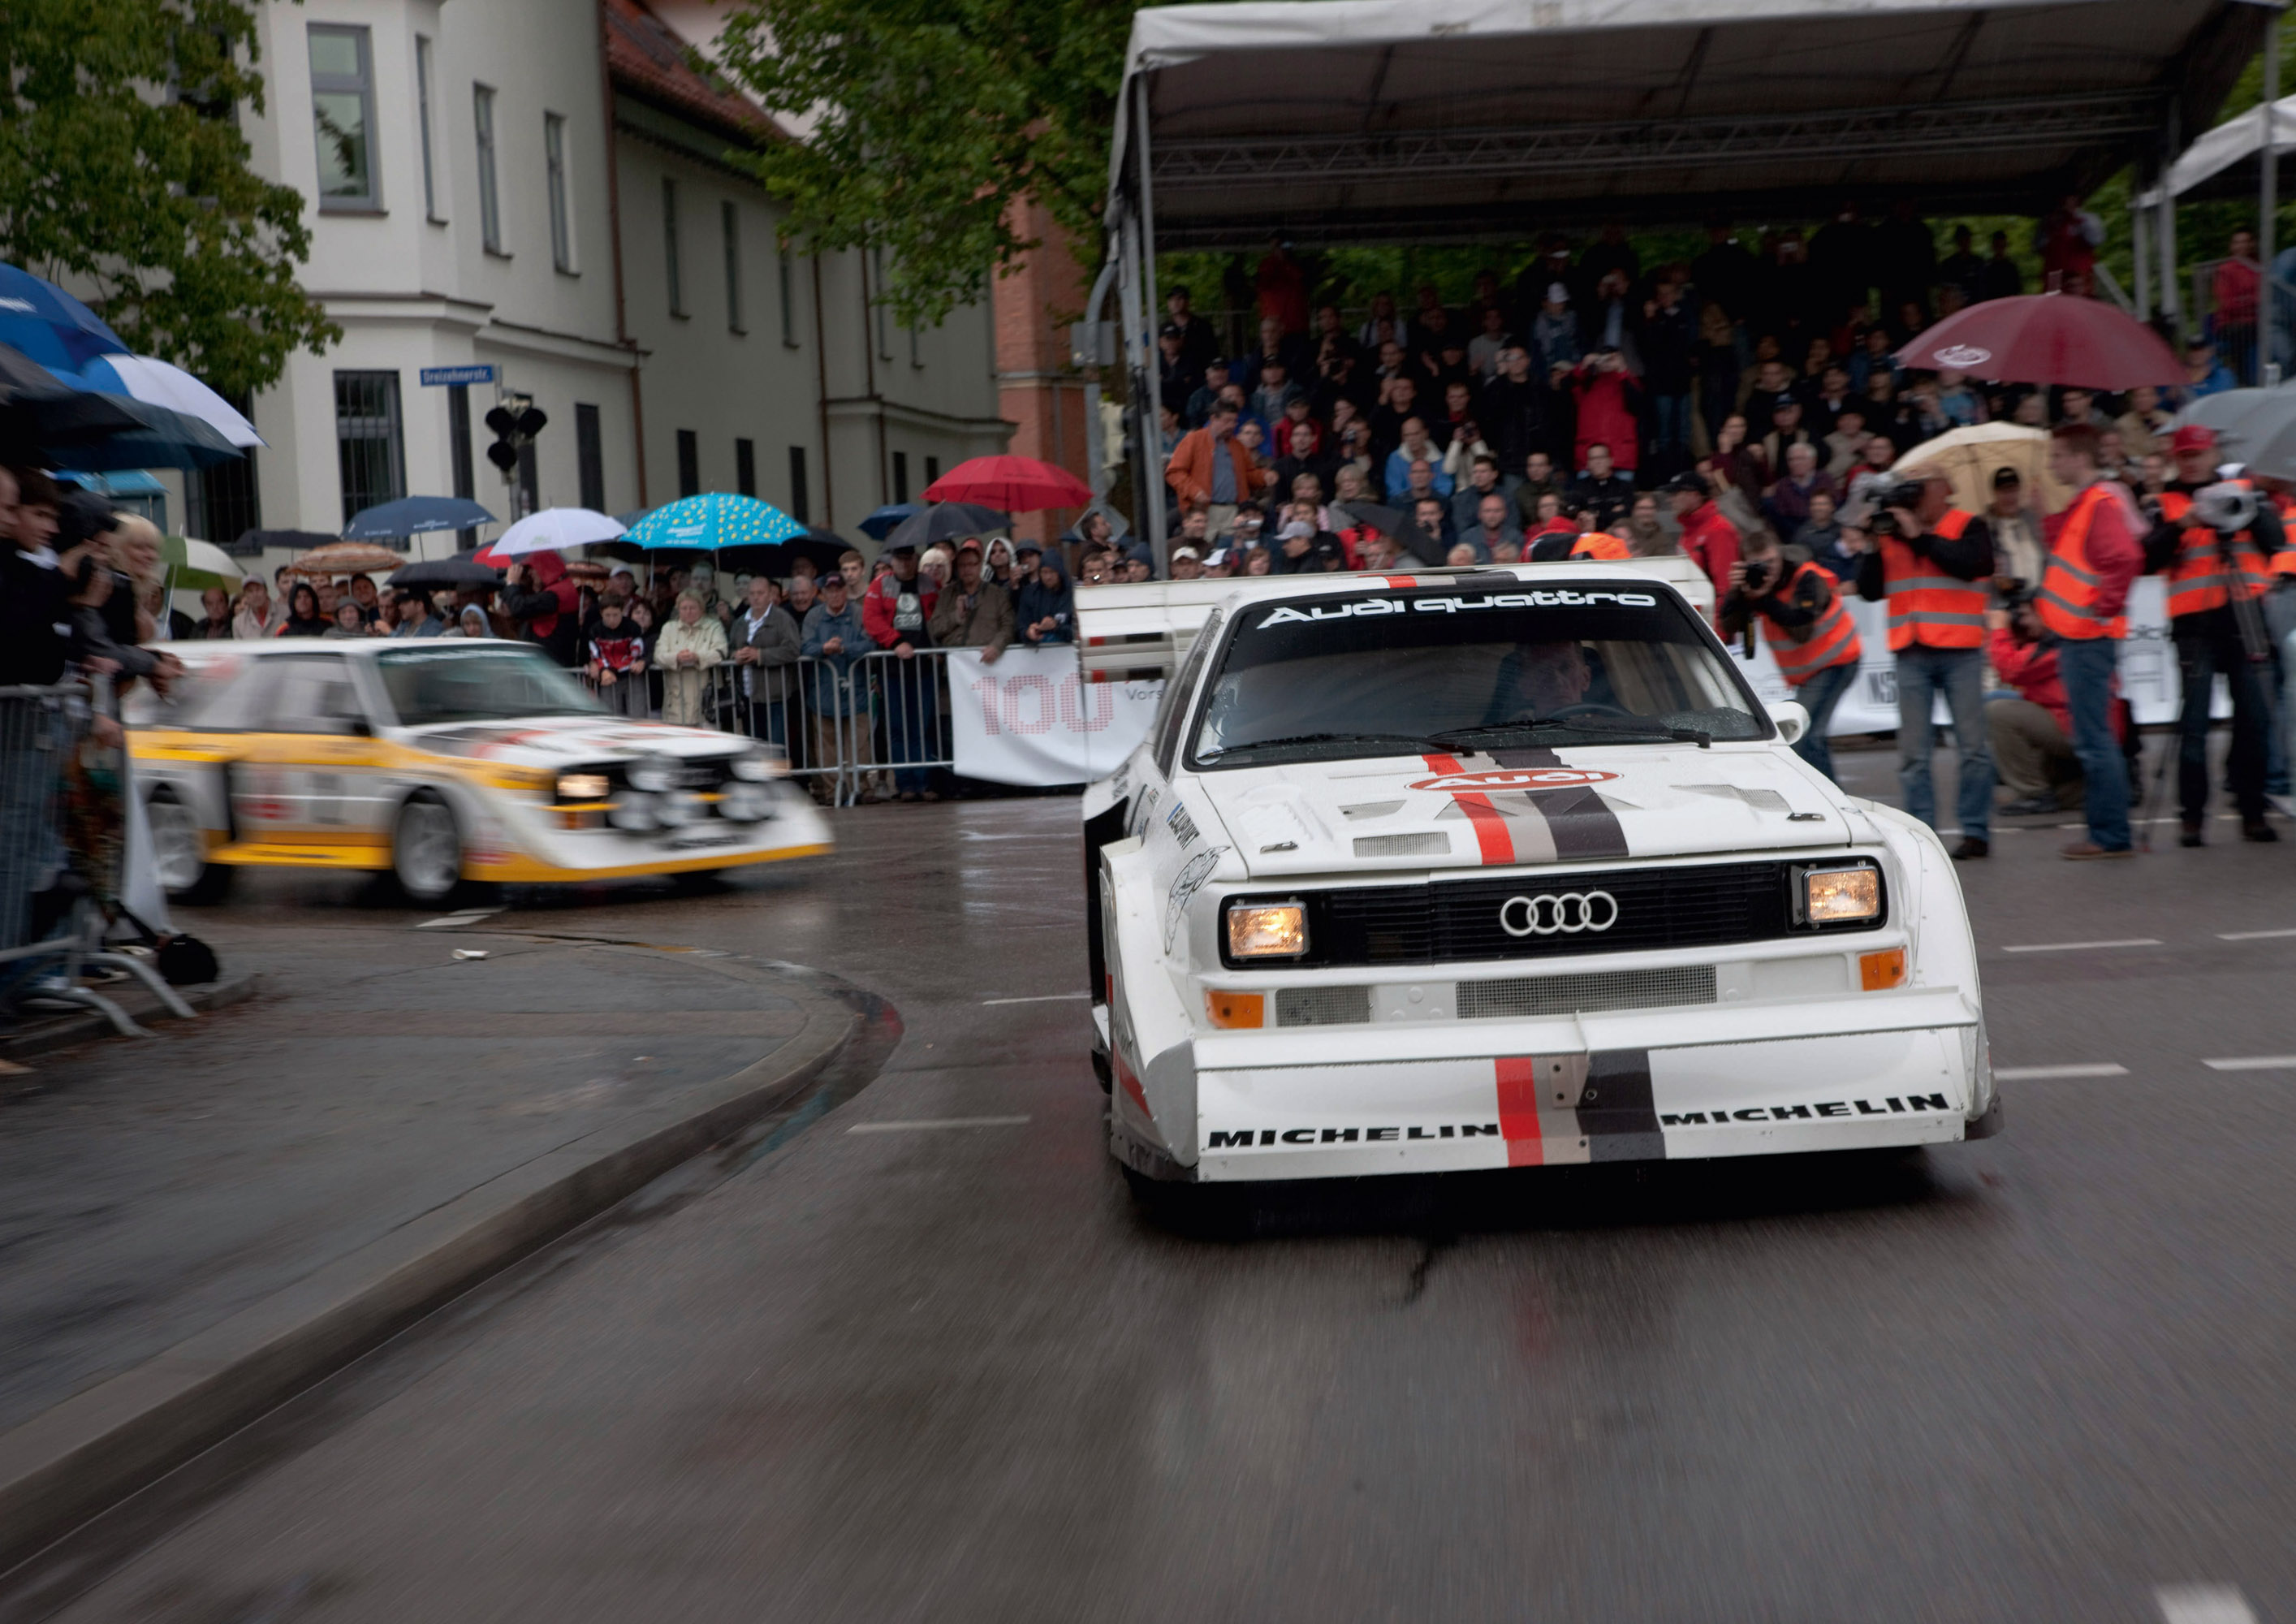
2032, 734
1707, 536
895, 613
1610, 401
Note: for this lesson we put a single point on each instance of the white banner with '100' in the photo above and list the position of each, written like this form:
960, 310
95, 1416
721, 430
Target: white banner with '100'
1032, 717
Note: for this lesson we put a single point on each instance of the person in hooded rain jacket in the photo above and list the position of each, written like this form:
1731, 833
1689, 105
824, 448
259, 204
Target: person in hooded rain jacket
1046, 612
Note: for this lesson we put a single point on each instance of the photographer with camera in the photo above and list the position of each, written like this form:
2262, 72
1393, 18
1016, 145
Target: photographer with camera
2032, 734
1806, 626
1930, 562
2215, 542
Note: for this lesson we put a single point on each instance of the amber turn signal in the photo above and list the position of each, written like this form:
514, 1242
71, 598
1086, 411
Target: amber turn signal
1235, 1009
1879, 971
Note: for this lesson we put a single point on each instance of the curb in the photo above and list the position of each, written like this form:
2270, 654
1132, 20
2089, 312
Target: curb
50, 1033
100, 1446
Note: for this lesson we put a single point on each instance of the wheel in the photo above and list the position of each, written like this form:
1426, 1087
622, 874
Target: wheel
179, 852
426, 848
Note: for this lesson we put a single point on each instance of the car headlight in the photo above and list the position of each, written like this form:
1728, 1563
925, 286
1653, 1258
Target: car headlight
747, 803
583, 786
635, 813
755, 767
651, 774
1839, 896
676, 811
1267, 930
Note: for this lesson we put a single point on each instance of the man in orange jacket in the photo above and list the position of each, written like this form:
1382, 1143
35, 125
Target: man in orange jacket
1211, 467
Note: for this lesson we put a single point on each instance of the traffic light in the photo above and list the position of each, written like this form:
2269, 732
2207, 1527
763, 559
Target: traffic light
515, 422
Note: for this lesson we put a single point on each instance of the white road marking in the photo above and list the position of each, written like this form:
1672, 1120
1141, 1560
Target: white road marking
2029, 1074
2251, 936
465, 917
2203, 1604
928, 1124
2254, 1063
2128, 941
1043, 997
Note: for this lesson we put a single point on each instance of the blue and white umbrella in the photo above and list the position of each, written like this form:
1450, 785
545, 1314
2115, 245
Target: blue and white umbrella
162, 383
44, 322
416, 516
713, 521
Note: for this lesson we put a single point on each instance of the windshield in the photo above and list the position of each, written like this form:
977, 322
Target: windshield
1397, 673
478, 683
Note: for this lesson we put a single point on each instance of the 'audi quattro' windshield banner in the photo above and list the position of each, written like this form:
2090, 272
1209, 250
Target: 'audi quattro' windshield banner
1033, 719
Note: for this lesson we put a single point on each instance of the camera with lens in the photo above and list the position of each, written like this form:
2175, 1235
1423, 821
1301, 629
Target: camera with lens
1906, 493
1759, 576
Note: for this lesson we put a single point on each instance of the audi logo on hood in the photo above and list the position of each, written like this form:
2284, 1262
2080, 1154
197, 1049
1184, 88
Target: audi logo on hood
1517, 778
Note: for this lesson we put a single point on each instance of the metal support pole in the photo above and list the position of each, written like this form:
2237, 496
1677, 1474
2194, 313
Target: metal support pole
1151, 443
2172, 294
2138, 251
2268, 205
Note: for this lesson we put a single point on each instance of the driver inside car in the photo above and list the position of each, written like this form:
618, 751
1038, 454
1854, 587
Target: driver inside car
1538, 679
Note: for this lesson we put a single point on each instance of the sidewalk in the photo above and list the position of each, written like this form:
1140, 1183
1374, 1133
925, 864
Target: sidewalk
383, 1124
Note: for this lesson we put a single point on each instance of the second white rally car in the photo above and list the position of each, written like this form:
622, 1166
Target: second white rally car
1506, 867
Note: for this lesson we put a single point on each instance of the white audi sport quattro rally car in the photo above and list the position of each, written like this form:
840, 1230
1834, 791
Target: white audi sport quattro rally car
1500, 867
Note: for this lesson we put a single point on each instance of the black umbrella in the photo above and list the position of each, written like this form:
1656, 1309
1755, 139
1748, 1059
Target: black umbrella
946, 521
821, 548
439, 573
293, 541
36, 406
1386, 520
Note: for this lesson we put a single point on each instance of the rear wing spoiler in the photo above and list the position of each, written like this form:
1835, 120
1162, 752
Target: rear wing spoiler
1139, 629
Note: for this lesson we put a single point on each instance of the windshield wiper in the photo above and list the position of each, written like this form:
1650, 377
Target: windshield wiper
1621, 728
1412, 741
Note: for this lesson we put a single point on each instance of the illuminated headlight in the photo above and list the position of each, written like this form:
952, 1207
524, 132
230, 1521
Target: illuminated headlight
747, 803
1841, 896
755, 767
582, 786
676, 811
651, 774
1267, 930
635, 813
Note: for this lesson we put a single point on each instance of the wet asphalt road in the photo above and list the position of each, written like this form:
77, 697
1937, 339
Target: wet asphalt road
953, 1373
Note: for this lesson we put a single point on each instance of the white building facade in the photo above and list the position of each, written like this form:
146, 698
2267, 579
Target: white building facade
543, 187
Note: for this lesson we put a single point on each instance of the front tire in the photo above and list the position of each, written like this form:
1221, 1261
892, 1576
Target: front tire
426, 850
179, 853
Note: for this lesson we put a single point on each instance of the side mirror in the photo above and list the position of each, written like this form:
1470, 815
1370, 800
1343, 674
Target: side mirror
1791, 720
355, 727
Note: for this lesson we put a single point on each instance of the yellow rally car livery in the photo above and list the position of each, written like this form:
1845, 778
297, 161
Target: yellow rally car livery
440, 761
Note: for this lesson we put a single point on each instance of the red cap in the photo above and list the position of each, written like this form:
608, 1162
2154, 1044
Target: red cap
2193, 437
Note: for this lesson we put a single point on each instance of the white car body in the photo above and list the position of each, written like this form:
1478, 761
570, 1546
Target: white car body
1558, 1037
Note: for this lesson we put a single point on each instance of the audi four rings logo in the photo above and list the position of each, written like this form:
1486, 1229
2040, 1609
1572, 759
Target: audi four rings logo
1566, 911
1518, 778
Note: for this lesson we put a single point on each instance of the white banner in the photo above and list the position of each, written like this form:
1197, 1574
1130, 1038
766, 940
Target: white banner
1033, 719
2148, 667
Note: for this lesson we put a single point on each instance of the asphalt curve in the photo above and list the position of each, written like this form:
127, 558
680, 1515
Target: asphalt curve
946, 1370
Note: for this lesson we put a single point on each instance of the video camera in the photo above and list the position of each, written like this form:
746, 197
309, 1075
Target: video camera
1906, 493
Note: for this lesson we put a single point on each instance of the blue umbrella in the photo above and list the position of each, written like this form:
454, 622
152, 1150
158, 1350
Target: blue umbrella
49, 325
162, 439
713, 521
880, 524
415, 516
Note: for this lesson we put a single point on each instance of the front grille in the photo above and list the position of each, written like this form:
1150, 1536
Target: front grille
1458, 921
1573, 995
1324, 1005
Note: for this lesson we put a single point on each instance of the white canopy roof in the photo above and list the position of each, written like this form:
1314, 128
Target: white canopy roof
1371, 119
2227, 154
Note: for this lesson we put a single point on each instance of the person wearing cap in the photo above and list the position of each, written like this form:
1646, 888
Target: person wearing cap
898, 611
1785, 428
1934, 572
1220, 564
1176, 378
2020, 547
1187, 564
2216, 582
1554, 331
1708, 536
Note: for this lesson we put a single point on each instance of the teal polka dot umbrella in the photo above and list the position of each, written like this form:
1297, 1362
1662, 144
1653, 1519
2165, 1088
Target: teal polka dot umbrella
713, 521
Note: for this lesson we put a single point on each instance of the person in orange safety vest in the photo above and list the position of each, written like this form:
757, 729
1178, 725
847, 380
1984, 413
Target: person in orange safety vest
1807, 625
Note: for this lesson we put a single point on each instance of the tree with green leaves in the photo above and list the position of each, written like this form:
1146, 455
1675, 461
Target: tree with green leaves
926, 122
122, 169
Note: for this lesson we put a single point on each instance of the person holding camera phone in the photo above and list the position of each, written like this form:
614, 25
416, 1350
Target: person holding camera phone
1806, 626
1930, 562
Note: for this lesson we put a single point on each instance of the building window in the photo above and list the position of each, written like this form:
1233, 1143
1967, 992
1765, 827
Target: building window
490, 235
799, 502
561, 228
370, 453
343, 117
933, 471
788, 275
590, 458
745, 467
222, 499
670, 246
730, 218
884, 329
458, 455
900, 476
916, 354
423, 119
689, 462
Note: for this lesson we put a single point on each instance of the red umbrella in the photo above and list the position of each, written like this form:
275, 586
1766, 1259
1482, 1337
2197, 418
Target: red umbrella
1014, 484
2047, 338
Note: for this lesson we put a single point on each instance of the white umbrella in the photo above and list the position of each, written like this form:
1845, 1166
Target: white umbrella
556, 528
160, 383
1970, 456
